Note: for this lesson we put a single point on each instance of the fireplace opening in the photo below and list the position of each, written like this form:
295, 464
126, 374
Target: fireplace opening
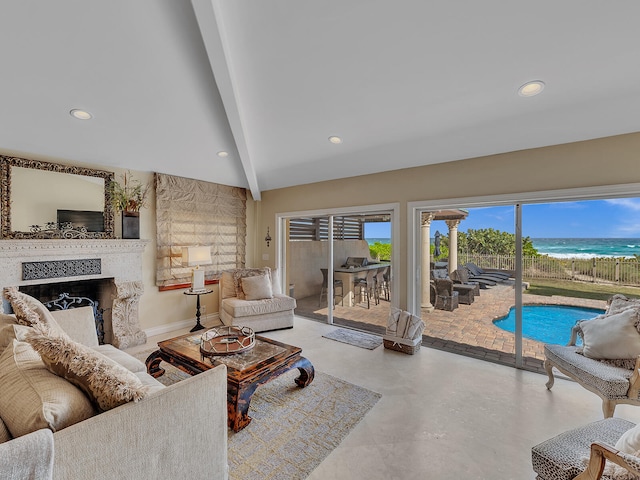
99, 291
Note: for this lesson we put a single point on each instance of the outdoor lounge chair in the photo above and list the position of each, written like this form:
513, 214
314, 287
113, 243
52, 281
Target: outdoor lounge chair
490, 272
464, 276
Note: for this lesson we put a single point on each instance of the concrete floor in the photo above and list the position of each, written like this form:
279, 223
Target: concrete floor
441, 415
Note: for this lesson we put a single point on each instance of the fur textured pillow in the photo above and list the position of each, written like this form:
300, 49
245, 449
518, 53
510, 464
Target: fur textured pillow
31, 311
105, 382
24, 314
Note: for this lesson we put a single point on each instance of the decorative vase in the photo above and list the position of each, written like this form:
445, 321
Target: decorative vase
131, 225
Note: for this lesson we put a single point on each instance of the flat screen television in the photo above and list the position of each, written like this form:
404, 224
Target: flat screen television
94, 221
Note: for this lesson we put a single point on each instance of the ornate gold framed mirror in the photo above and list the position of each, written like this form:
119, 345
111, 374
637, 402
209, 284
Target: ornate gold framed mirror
43, 200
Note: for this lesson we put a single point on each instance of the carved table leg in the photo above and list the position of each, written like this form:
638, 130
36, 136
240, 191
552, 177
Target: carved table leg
239, 396
307, 372
153, 364
238, 400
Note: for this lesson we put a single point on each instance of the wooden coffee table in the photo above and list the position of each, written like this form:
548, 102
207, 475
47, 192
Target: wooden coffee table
245, 371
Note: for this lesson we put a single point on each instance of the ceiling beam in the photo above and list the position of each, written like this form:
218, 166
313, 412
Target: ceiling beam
212, 31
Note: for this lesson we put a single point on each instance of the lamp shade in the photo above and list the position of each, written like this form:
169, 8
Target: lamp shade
195, 256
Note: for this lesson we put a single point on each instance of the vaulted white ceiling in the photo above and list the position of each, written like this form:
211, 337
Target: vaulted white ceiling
405, 83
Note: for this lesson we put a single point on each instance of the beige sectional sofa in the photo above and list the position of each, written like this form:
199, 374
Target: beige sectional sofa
252, 297
179, 431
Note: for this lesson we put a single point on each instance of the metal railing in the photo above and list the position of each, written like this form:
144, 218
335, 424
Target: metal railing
597, 270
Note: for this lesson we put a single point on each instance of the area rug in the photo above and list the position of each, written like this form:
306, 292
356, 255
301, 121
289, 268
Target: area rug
293, 429
359, 339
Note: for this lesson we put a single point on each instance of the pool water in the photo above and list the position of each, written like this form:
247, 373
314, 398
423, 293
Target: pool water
547, 323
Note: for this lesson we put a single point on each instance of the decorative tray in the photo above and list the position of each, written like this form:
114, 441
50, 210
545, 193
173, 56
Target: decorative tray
226, 341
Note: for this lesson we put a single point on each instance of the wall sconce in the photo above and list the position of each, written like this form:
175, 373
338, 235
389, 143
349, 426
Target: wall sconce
268, 237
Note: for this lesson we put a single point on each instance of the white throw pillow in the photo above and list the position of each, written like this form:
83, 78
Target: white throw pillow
629, 442
610, 337
257, 288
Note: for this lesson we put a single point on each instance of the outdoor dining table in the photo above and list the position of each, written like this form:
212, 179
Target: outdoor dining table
348, 276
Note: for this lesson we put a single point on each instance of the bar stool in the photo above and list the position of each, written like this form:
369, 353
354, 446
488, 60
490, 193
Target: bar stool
325, 284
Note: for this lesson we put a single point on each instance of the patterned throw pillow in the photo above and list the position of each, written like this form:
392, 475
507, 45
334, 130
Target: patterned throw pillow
105, 382
239, 274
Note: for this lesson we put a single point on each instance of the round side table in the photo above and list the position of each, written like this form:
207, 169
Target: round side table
198, 325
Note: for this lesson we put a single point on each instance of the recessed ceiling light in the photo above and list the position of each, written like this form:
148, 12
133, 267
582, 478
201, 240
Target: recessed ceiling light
80, 114
530, 89
334, 139
223, 154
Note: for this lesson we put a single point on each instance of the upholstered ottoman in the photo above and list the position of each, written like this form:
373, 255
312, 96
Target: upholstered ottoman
566, 455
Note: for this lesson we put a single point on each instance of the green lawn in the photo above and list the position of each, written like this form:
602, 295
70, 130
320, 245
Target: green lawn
596, 291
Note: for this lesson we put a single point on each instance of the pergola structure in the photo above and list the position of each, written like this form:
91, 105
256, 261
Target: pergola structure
452, 218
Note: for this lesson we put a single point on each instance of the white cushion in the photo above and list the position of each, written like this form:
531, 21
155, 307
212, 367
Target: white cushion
610, 337
79, 323
123, 358
257, 288
246, 308
629, 442
275, 281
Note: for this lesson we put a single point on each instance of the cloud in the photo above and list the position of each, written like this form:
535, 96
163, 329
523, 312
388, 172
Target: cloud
628, 203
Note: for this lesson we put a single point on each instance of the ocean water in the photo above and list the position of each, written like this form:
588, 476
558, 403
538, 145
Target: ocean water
587, 247
371, 241
575, 247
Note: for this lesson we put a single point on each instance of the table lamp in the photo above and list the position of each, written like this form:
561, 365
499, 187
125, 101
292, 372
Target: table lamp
194, 257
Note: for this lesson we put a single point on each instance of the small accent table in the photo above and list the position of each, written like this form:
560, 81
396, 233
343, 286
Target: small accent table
198, 325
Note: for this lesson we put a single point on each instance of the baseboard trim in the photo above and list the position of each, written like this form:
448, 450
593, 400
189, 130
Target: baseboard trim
207, 320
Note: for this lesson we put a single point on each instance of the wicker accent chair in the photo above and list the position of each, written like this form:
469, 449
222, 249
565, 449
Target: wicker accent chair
466, 293
462, 279
446, 298
581, 453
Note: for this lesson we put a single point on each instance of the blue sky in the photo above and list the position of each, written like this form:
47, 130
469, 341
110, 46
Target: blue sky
618, 218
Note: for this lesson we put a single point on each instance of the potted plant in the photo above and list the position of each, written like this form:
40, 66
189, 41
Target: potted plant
128, 197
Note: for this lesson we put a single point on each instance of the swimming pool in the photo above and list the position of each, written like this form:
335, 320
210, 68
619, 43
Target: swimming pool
547, 323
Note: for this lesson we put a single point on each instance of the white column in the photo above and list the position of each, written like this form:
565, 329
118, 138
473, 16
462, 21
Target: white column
425, 278
453, 244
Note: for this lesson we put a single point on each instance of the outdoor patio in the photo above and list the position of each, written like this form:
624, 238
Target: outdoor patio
468, 330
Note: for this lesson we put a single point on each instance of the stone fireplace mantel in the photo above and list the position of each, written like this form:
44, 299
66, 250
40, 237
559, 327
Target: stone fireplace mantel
120, 260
